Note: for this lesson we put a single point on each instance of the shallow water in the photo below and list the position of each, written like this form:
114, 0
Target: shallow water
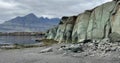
18, 39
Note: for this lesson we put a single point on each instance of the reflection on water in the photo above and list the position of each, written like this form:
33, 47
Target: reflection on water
18, 39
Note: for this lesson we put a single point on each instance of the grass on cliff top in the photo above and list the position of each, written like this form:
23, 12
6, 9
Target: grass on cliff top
49, 42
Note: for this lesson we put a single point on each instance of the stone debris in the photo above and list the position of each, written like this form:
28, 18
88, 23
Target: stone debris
101, 49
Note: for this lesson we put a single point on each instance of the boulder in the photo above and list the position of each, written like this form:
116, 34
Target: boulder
50, 49
73, 48
114, 37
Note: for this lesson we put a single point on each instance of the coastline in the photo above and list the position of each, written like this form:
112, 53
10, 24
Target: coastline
33, 55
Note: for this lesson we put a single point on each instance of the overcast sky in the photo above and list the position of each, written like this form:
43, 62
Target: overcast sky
47, 8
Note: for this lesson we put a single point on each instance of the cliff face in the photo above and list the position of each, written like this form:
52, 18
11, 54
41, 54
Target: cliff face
98, 23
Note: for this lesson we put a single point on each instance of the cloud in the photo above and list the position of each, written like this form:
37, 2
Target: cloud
7, 5
47, 8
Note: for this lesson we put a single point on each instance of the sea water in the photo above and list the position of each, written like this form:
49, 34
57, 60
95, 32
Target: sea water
18, 39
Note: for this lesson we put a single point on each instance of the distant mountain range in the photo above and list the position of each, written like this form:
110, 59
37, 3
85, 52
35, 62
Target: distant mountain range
28, 23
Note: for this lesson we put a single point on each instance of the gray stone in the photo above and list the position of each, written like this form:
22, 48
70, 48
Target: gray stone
74, 48
105, 40
50, 49
114, 37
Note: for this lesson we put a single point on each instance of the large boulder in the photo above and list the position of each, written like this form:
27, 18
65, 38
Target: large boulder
114, 37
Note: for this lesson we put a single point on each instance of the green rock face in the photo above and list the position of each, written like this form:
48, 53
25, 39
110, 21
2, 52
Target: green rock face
64, 31
97, 23
81, 26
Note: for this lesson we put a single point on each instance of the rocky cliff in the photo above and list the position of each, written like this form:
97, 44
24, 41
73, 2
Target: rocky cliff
98, 23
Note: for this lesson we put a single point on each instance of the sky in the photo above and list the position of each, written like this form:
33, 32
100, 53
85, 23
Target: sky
47, 8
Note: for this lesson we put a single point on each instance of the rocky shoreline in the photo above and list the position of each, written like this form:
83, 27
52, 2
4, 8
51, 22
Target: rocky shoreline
7, 46
22, 34
100, 48
89, 52
90, 48
90, 37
